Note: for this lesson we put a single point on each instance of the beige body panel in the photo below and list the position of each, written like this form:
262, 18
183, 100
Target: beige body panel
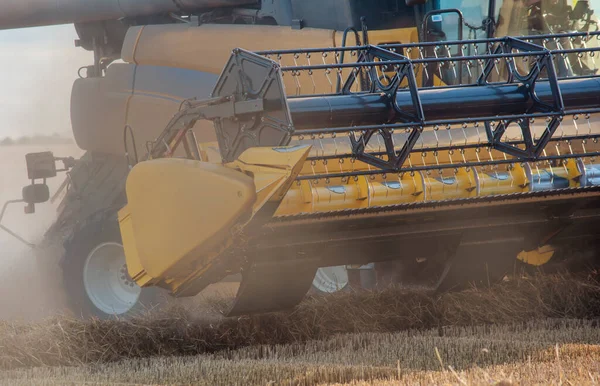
99, 109
102, 107
206, 48
194, 48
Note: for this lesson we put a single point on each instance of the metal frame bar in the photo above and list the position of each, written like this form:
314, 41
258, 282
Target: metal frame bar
440, 167
588, 35
441, 122
403, 71
478, 145
544, 62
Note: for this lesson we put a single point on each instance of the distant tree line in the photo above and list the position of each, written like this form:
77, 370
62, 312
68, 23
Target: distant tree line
36, 140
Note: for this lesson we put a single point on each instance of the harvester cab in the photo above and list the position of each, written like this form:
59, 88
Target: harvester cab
437, 143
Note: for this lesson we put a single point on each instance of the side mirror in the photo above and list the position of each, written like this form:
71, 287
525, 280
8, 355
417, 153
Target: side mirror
40, 165
411, 3
36, 194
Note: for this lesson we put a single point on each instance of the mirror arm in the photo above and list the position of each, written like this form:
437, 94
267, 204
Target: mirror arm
7, 230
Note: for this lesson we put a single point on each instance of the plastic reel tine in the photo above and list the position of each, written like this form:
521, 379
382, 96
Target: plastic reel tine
464, 127
335, 144
448, 129
590, 53
312, 167
509, 169
468, 63
436, 128
327, 71
296, 75
579, 54
564, 164
325, 163
438, 63
452, 63
423, 65
575, 119
310, 74
479, 61
550, 167
564, 57
317, 138
570, 144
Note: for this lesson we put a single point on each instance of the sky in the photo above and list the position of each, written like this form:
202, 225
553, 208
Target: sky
37, 69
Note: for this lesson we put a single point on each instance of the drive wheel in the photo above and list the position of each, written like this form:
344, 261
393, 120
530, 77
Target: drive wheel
330, 279
95, 275
479, 267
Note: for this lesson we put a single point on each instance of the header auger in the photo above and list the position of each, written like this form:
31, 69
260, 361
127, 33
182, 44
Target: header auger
270, 139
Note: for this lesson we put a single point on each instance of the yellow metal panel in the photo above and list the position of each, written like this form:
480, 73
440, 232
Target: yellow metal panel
274, 170
134, 265
193, 47
354, 193
207, 47
182, 214
389, 36
537, 257
493, 182
179, 214
461, 184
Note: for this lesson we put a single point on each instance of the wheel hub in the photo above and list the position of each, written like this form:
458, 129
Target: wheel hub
331, 279
107, 282
125, 278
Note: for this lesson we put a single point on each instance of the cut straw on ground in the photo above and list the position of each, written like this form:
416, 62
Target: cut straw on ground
538, 352
176, 331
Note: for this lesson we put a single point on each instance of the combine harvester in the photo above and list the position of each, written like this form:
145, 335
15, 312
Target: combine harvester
402, 149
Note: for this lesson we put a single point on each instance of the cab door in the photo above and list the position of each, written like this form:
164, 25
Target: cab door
455, 20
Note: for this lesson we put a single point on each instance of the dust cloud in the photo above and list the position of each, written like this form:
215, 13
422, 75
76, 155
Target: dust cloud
30, 279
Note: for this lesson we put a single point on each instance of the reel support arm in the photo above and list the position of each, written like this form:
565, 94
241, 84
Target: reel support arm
182, 122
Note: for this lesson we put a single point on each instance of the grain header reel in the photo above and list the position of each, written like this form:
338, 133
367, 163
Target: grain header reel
423, 152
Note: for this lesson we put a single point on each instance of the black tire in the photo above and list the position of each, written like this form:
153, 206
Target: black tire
365, 279
478, 267
98, 229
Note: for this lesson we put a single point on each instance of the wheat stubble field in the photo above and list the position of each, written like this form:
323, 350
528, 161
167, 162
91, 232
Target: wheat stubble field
532, 330
536, 330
